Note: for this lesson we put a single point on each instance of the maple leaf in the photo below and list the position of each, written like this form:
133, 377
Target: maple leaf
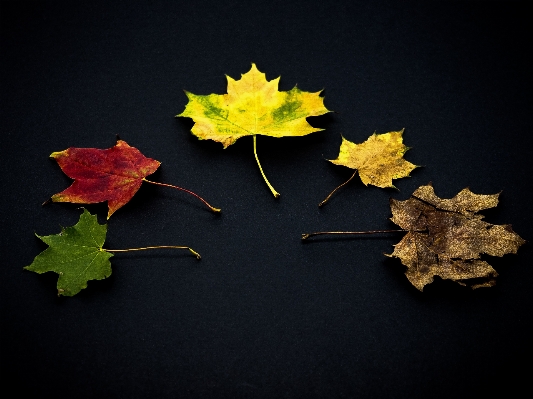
76, 254
378, 160
253, 106
113, 175
447, 236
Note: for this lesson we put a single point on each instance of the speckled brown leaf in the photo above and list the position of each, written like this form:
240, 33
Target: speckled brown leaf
447, 237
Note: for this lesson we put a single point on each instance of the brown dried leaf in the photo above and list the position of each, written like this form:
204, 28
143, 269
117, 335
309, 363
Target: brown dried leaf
447, 237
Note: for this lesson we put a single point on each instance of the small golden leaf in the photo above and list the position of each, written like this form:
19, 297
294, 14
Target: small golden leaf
378, 160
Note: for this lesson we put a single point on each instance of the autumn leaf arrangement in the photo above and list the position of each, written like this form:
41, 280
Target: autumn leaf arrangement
444, 237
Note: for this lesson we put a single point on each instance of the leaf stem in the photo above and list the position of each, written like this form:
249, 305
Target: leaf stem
216, 210
276, 194
333, 192
156, 247
306, 236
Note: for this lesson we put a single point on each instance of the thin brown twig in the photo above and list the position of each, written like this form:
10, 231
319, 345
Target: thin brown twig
333, 192
306, 236
156, 247
216, 210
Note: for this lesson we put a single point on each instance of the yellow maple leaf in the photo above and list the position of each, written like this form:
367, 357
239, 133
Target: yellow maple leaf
253, 106
378, 160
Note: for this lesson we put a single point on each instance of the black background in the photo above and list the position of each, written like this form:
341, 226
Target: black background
263, 314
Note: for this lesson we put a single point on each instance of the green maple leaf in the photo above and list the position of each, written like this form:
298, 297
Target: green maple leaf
76, 254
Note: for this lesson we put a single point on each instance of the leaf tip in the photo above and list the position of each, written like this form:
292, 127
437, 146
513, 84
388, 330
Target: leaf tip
188, 94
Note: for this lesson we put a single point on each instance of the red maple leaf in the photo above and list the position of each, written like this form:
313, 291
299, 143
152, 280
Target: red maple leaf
113, 175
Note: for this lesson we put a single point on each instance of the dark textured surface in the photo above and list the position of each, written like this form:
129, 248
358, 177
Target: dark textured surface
262, 314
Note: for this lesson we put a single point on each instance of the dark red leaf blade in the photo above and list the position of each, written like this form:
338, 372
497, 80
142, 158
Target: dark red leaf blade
113, 175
